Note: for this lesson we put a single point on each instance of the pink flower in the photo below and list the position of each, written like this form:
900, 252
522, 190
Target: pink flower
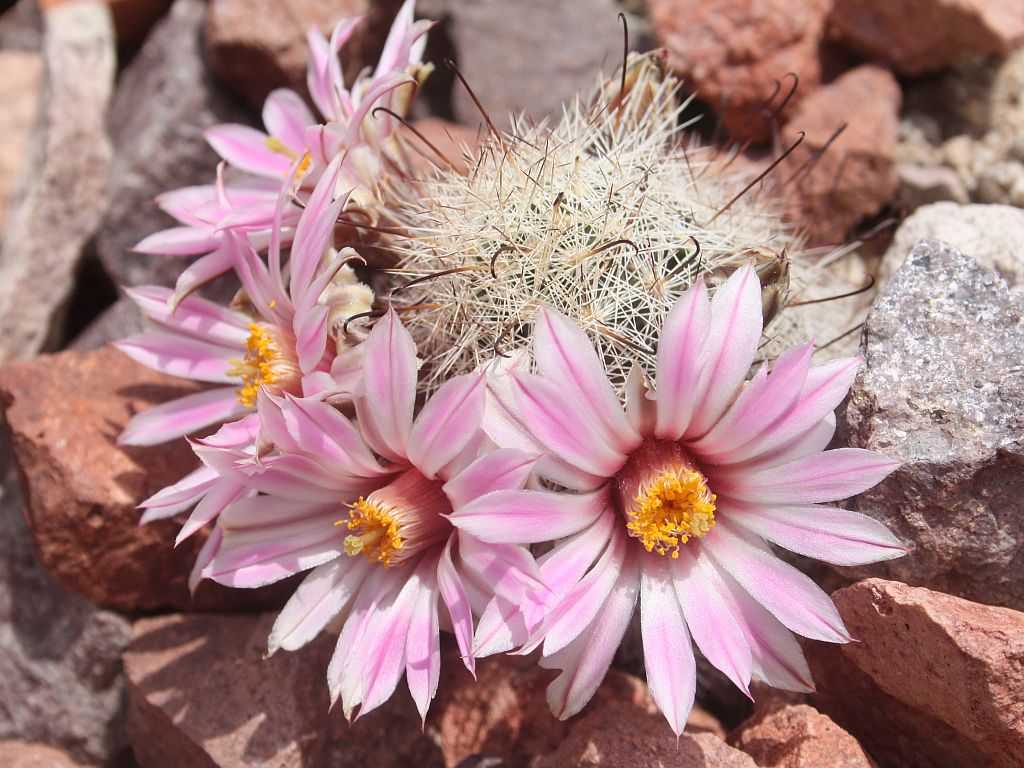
675, 498
376, 534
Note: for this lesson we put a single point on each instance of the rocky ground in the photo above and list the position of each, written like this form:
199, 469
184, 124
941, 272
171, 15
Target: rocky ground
912, 125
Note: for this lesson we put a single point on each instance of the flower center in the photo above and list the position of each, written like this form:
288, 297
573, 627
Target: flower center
274, 144
398, 521
665, 499
266, 363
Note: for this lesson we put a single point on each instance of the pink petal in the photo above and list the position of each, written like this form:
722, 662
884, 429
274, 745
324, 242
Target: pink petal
565, 565
565, 356
812, 442
200, 272
389, 374
668, 655
194, 316
509, 571
178, 497
180, 355
181, 417
246, 149
827, 476
641, 407
423, 646
585, 661
179, 241
286, 117
446, 423
681, 359
208, 551
379, 588
213, 503
315, 230
789, 595
565, 428
264, 557
321, 596
825, 533
454, 596
503, 469
733, 336
528, 517
764, 399
711, 623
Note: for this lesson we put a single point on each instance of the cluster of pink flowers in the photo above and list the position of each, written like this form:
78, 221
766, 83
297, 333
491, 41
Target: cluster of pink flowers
411, 516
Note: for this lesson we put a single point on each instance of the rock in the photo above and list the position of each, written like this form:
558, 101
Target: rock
59, 203
132, 18
64, 413
798, 736
21, 26
732, 52
120, 320
505, 712
835, 188
924, 184
992, 234
191, 709
953, 29
532, 56
625, 736
20, 75
942, 389
60, 657
255, 47
21, 754
935, 680
161, 147
451, 139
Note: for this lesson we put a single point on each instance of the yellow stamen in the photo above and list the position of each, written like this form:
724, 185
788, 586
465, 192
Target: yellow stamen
375, 533
274, 144
258, 366
677, 506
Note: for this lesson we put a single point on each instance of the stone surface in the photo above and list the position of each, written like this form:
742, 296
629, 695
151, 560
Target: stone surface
448, 137
531, 56
22, 754
161, 147
917, 36
942, 389
935, 680
58, 205
625, 736
256, 47
993, 235
798, 736
835, 188
60, 657
20, 76
924, 184
132, 18
732, 52
504, 713
64, 413
119, 320
203, 695
21, 27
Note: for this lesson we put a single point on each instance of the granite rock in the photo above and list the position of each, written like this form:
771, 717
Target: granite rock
59, 202
798, 736
20, 80
934, 680
833, 186
917, 36
161, 147
942, 390
63, 413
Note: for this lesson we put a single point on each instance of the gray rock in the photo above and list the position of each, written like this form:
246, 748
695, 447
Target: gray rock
21, 27
59, 655
63, 186
924, 184
942, 389
20, 77
992, 234
119, 320
531, 56
160, 147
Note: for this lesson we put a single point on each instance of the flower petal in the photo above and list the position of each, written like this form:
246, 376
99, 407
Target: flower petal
179, 241
528, 517
194, 316
286, 117
668, 654
446, 423
182, 416
454, 596
789, 595
180, 355
223, 493
503, 469
681, 359
423, 646
246, 149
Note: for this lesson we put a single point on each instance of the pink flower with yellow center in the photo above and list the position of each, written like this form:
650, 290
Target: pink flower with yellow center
366, 506
673, 500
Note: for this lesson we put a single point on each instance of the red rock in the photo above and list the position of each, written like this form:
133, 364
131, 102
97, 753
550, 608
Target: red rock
22, 754
505, 713
447, 137
798, 736
917, 36
256, 46
732, 52
63, 413
202, 694
625, 736
855, 177
933, 680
